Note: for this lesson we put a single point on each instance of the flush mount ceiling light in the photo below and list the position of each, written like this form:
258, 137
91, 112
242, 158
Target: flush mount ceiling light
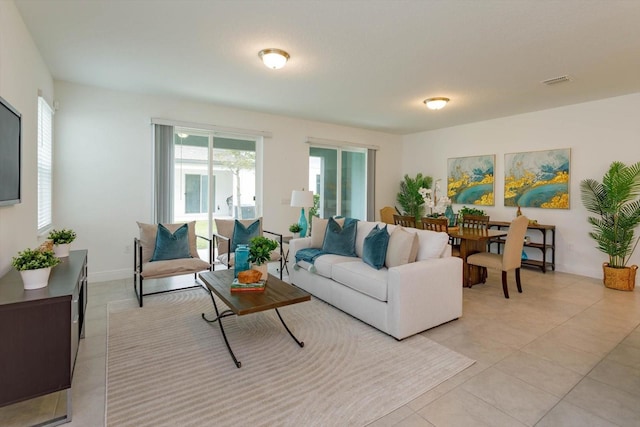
436, 103
274, 58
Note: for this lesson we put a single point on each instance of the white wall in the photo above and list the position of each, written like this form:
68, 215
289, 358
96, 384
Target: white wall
22, 74
102, 178
597, 132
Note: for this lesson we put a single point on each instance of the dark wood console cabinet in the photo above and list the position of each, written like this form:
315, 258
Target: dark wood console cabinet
40, 330
546, 246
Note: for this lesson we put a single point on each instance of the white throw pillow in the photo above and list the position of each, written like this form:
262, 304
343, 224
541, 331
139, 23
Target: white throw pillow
431, 244
318, 230
403, 247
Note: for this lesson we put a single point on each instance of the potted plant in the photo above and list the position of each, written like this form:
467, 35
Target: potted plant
295, 229
260, 249
62, 241
409, 197
616, 205
34, 266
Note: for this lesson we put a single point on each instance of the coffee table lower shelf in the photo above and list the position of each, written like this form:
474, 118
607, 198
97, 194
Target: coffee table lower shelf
277, 294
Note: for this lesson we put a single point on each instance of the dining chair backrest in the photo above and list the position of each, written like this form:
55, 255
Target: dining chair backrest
512, 255
404, 220
436, 224
475, 221
386, 214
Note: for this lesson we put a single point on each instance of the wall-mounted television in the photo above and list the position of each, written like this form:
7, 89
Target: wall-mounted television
10, 138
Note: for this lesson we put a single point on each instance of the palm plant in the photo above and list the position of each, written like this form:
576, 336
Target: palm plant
409, 197
616, 204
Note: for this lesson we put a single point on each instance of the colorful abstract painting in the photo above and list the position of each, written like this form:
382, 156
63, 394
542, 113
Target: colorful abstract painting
538, 179
470, 180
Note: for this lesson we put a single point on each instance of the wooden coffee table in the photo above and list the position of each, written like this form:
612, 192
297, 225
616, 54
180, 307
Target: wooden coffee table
276, 294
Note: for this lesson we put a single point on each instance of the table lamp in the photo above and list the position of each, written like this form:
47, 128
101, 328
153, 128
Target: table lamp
302, 199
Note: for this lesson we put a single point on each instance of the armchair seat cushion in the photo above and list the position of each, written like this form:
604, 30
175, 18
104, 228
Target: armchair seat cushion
173, 267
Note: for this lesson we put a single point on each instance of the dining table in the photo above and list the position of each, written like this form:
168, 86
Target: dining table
473, 240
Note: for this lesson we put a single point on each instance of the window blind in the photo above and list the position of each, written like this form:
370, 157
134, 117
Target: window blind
45, 164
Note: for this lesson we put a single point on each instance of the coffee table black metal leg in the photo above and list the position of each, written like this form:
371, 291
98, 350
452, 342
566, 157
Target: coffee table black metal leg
218, 318
300, 343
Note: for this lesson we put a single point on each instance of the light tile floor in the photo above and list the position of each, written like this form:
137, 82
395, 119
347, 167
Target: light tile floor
565, 352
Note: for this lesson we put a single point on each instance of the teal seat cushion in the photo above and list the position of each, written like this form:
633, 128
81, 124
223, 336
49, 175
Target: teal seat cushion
171, 245
341, 240
242, 235
374, 251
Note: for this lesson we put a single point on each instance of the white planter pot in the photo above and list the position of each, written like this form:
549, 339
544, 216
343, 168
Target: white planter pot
295, 235
262, 269
61, 250
35, 279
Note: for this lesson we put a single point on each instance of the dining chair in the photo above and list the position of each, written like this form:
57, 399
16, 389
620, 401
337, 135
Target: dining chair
509, 259
404, 220
475, 221
387, 213
435, 224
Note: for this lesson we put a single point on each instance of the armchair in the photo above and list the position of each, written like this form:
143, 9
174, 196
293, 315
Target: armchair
145, 267
230, 234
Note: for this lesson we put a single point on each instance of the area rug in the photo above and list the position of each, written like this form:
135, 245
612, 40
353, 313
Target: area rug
168, 367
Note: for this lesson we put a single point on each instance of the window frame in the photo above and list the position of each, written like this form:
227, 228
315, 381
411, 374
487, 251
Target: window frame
45, 166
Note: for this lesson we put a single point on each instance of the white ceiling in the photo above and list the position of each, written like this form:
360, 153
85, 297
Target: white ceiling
360, 63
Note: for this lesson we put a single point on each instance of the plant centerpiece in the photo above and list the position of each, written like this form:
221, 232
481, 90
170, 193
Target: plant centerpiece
295, 229
409, 198
62, 241
616, 205
34, 266
260, 249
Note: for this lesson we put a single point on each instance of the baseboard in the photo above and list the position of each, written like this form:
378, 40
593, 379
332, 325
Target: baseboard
105, 276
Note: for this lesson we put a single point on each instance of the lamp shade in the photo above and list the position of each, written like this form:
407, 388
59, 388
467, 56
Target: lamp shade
301, 199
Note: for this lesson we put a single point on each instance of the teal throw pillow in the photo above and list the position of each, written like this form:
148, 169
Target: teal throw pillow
375, 247
242, 234
171, 245
341, 240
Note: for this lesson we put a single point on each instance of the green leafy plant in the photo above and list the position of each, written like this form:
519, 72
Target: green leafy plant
471, 211
313, 211
409, 198
617, 207
32, 259
295, 228
260, 249
63, 236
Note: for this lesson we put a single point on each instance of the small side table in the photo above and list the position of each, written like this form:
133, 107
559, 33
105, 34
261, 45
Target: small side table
285, 241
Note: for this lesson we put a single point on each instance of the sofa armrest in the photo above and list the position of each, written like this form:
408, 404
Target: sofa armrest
424, 292
294, 246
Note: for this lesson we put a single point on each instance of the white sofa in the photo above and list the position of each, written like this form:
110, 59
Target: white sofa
400, 301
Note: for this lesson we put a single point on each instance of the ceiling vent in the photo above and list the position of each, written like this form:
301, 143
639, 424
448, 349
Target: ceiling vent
556, 80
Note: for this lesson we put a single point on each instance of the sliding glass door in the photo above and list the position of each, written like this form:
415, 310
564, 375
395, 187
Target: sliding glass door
339, 177
213, 177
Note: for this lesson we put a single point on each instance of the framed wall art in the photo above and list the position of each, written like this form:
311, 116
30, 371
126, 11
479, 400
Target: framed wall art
537, 179
470, 180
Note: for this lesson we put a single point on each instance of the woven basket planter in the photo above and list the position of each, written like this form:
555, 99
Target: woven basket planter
622, 279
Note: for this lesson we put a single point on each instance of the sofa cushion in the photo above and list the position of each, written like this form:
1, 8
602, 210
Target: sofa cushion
364, 228
324, 263
403, 247
360, 277
431, 244
341, 240
148, 238
375, 247
171, 245
318, 230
